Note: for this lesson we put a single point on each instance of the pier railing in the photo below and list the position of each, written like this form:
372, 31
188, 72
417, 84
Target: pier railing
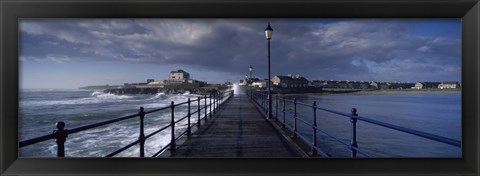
261, 99
216, 101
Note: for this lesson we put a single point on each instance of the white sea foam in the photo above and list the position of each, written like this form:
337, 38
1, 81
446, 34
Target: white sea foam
155, 105
109, 96
96, 93
160, 95
96, 97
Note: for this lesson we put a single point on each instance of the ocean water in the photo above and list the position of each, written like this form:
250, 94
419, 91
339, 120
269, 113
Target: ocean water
39, 110
438, 114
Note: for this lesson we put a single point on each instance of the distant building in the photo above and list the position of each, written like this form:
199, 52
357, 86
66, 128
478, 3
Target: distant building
289, 81
250, 81
418, 85
260, 83
448, 85
176, 79
178, 75
401, 85
431, 85
373, 85
316, 83
282, 81
383, 86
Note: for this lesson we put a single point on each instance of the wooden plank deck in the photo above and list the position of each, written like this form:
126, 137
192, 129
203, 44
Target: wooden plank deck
236, 130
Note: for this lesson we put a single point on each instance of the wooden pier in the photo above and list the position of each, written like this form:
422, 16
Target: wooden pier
238, 129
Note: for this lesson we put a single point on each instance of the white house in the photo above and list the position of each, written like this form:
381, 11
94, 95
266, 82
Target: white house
448, 85
418, 86
178, 75
260, 83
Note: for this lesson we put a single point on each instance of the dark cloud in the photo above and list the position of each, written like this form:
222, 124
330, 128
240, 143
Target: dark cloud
328, 49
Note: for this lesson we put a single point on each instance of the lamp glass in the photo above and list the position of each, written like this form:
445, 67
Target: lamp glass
268, 34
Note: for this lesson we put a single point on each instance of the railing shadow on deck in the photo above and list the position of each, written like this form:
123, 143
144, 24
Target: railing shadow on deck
261, 99
60, 134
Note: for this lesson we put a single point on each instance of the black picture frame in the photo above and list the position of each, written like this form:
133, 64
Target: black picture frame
11, 11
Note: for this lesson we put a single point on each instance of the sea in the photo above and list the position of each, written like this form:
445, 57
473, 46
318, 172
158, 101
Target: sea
40, 109
434, 113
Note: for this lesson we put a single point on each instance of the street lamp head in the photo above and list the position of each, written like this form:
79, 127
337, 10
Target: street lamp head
268, 31
250, 68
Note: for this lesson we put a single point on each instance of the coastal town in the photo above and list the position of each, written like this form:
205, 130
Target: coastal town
178, 81
299, 84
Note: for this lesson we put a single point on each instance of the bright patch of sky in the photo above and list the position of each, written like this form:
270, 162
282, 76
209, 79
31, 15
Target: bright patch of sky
71, 53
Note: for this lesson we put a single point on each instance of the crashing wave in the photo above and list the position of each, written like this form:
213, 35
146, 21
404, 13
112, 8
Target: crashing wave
160, 95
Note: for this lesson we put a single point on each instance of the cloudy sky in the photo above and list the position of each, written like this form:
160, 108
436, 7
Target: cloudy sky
70, 53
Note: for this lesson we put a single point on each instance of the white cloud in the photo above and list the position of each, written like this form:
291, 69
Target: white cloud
31, 28
59, 59
424, 49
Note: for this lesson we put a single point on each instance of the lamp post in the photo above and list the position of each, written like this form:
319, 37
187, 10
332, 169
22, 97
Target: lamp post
251, 90
250, 69
268, 35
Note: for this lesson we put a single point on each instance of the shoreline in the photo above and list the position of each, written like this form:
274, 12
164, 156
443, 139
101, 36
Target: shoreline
373, 92
413, 91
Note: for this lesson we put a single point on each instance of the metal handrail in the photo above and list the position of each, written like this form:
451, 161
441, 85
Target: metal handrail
61, 134
259, 98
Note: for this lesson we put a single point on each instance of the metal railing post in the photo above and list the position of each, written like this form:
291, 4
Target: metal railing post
141, 138
294, 117
60, 137
214, 104
198, 110
276, 108
353, 120
205, 108
265, 103
283, 121
261, 99
188, 118
265, 98
314, 130
210, 105
172, 125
